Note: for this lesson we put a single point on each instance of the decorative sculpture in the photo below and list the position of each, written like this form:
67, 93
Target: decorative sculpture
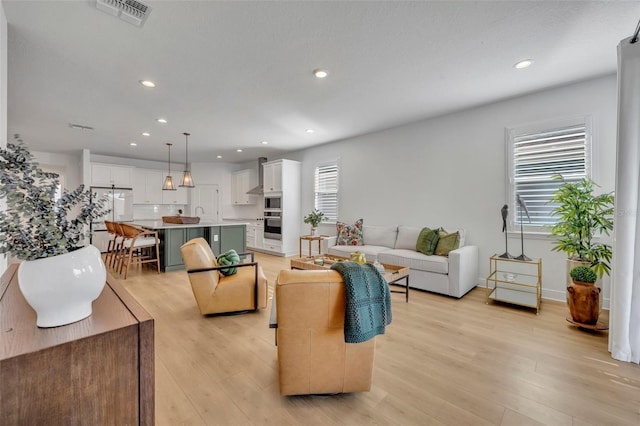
505, 213
522, 206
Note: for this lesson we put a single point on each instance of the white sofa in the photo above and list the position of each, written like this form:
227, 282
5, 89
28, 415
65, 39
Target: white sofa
454, 275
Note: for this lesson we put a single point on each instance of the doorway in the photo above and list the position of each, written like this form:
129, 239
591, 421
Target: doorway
205, 202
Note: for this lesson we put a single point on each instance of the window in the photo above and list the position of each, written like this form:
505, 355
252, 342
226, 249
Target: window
534, 155
326, 190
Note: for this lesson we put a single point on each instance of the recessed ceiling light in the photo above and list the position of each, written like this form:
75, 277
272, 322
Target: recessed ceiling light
309, 130
133, 144
145, 134
161, 120
523, 64
320, 73
264, 142
148, 83
238, 150
218, 156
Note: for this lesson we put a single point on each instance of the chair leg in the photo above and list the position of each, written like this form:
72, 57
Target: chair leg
157, 257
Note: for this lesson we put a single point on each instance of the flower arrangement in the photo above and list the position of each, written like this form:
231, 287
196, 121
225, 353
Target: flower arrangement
314, 218
36, 224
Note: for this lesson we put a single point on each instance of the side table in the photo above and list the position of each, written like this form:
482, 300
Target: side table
311, 239
514, 281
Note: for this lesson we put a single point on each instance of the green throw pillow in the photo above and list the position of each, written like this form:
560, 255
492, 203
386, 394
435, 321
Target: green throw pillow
447, 242
427, 241
229, 258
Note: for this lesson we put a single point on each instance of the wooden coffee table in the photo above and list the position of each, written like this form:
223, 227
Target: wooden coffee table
392, 274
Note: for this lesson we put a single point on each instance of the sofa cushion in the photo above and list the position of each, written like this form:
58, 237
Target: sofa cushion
349, 235
447, 242
370, 252
407, 237
380, 235
427, 241
415, 260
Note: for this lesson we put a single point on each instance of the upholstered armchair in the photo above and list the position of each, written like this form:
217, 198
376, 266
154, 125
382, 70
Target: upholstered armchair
313, 357
216, 293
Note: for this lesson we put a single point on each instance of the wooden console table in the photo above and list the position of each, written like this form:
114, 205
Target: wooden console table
96, 371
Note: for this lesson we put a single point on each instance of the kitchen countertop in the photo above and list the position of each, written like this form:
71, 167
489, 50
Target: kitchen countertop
159, 224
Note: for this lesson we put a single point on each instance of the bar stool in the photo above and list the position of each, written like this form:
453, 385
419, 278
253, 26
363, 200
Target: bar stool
114, 240
138, 247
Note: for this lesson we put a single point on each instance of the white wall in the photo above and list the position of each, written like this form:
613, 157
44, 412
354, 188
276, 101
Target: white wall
3, 103
450, 170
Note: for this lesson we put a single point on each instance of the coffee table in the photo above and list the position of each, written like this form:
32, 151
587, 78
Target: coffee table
392, 273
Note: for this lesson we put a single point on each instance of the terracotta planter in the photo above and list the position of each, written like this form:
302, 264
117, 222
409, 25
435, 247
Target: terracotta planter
584, 302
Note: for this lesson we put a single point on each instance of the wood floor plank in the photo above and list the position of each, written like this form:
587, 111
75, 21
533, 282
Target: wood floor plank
443, 361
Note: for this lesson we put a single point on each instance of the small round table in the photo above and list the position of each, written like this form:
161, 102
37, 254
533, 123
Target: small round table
311, 239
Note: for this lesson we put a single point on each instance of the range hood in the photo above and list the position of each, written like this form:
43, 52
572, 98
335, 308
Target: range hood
259, 190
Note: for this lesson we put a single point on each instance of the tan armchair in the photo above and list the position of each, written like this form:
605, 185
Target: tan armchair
215, 293
312, 355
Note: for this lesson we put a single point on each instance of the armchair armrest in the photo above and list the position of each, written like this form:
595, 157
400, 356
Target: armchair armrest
217, 268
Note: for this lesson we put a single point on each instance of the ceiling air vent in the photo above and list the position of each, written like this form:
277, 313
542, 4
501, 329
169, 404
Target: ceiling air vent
130, 11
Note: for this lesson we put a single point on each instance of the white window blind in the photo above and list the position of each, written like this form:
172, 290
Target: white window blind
326, 191
536, 156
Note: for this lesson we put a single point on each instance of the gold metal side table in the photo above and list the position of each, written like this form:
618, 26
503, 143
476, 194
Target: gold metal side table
514, 281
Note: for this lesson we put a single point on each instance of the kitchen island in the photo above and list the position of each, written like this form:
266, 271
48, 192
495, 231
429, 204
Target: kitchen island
221, 237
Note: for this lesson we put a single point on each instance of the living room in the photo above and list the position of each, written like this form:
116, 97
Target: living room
445, 170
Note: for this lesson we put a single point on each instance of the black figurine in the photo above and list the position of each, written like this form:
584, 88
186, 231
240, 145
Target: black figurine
505, 213
523, 207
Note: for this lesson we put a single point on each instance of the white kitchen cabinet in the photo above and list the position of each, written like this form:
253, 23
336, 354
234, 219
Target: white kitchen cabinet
251, 236
282, 178
179, 196
109, 174
147, 186
272, 176
255, 235
241, 182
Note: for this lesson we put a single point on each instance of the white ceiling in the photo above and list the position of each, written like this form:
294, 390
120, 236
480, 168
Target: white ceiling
234, 73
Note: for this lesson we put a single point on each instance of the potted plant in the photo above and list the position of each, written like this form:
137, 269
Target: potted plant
314, 218
59, 277
582, 216
584, 296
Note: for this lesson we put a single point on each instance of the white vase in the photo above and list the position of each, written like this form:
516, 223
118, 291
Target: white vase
61, 288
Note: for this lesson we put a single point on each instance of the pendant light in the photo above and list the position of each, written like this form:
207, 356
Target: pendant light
187, 180
168, 184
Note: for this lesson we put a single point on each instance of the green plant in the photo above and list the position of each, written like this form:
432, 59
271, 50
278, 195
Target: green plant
581, 216
314, 218
583, 274
35, 224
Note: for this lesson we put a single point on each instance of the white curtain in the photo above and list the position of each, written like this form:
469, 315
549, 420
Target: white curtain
624, 327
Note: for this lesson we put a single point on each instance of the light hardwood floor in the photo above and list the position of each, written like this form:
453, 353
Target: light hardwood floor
442, 361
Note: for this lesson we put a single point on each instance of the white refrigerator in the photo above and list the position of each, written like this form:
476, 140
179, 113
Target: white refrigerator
120, 201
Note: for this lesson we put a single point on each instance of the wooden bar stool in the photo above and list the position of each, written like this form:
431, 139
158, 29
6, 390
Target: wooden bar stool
114, 240
139, 247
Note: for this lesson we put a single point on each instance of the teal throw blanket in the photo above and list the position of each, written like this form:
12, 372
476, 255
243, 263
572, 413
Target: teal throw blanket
368, 308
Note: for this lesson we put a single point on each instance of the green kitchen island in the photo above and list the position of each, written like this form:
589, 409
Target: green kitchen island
221, 237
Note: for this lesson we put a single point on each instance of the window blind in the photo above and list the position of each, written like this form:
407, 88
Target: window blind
326, 191
537, 156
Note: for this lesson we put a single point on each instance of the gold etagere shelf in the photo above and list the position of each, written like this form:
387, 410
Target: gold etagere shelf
514, 281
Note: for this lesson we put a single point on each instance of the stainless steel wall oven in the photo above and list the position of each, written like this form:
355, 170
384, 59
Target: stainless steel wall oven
273, 224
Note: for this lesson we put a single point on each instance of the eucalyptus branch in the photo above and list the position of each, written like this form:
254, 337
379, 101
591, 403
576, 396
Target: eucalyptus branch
35, 224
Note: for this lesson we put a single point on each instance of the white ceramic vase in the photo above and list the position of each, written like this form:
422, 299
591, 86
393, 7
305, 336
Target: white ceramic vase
61, 288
